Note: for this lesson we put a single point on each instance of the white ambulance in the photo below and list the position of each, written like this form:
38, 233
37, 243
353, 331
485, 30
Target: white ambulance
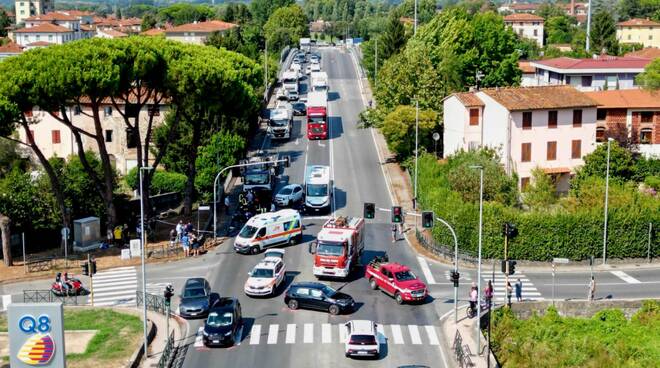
268, 230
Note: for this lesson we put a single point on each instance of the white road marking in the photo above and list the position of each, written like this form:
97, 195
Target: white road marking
272, 334
290, 333
625, 277
426, 270
332, 164
297, 141
308, 333
326, 333
255, 334
433, 337
414, 335
397, 336
342, 333
117, 286
198, 339
529, 291
320, 144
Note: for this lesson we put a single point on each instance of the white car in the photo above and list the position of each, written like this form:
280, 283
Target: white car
289, 194
265, 277
361, 339
274, 253
315, 67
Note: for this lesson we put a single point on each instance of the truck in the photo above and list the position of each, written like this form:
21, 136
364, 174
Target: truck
318, 188
290, 80
280, 123
395, 279
306, 44
338, 247
317, 119
319, 81
259, 177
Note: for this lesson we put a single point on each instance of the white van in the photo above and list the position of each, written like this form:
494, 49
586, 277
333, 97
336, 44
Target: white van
318, 188
268, 230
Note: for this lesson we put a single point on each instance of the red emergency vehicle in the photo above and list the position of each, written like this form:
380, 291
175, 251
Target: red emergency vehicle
338, 247
396, 280
317, 115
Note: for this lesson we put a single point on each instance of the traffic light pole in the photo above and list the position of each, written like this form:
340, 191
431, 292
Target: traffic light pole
506, 261
91, 278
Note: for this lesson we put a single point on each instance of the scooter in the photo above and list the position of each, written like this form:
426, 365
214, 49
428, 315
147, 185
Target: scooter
75, 287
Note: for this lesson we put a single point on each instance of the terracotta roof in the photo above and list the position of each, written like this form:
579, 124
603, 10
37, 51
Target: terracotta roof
77, 13
44, 28
469, 99
114, 34
153, 32
607, 62
86, 28
539, 98
49, 17
204, 27
10, 47
646, 53
521, 17
637, 22
524, 6
556, 170
526, 67
39, 44
626, 98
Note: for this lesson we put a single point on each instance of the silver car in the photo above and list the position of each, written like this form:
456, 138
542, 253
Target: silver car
289, 194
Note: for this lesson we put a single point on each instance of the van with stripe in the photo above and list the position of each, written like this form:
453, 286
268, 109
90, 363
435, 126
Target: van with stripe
268, 230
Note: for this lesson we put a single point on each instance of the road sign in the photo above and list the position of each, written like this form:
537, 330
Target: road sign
65, 232
135, 247
436, 136
204, 208
36, 335
560, 260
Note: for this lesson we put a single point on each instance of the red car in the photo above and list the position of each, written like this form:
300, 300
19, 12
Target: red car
396, 280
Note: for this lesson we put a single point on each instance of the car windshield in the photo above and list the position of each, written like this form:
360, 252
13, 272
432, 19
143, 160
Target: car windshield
285, 191
405, 276
262, 273
247, 231
194, 293
317, 190
330, 249
363, 340
299, 106
279, 122
327, 290
317, 120
252, 179
217, 320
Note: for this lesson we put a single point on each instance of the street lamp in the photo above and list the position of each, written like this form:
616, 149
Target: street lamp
455, 267
607, 190
481, 219
416, 149
142, 251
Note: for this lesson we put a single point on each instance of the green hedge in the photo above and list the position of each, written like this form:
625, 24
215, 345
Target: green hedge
542, 235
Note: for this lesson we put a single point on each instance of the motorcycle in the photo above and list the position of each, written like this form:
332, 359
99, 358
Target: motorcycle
75, 287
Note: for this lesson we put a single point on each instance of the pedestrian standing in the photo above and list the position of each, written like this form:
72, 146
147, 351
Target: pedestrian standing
227, 204
394, 231
110, 236
519, 291
185, 243
509, 291
117, 234
179, 230
474, 294
592, 289
194, 242
273, 208
249, 196
173, 237
488, 293
189, 228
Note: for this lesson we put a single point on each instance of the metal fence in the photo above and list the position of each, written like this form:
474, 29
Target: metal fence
168, 354
46, 296
39, 264
427, 241
154, 302
462, 352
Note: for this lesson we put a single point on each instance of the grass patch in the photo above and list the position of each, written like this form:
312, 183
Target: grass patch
607, 339
3, 322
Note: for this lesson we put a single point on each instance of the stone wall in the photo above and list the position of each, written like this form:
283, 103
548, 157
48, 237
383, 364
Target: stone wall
575, 308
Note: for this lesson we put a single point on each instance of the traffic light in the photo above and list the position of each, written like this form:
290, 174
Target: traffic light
509, 230
455, 276
85, 268
92, 267
369, 210
427, 219
168, 293
504, 267
397, 215
512, 267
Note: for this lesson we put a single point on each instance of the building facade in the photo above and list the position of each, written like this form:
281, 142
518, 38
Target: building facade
526, 25
551, 128
198, 32
54, 28
29, 8
644, 31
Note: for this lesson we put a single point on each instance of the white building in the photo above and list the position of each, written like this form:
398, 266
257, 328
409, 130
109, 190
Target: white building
526, 25
198, 32
547, 127
29, 8
52, 28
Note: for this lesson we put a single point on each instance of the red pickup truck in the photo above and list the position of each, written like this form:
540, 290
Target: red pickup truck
396, 280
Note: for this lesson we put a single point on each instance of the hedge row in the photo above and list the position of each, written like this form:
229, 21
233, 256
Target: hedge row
541, 235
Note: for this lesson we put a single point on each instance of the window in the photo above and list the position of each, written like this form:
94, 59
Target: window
536, 33
527, 120
552, 151
629, 37
315, 293
586, 81
645, 135
650, 37
600, 134
107, 111
524, 182
108, 135
77, 110
552, 119
50, 38
302, 291
526, 152
577, 118
601, 114
576, 149
612, 81
55, 135
474, 116
647, 116
262, 232
38, 37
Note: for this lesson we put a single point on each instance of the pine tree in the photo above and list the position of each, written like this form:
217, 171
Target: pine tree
603, 33
393, 39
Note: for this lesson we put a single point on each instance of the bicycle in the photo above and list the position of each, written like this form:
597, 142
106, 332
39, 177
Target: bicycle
472, 312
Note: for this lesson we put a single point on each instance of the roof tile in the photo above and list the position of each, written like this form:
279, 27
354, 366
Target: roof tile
607, 62
539, 98
637, 22
626, 98
203, 27
469, 99
44, 28
522, 17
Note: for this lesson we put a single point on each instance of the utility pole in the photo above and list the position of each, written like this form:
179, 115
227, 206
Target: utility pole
586, 47
607, 190
266, 66
144, 276
416, 149
648, 250
481, 220
506, 261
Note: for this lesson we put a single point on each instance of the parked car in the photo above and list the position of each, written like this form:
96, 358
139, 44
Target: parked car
299, 108
315, 295
289, 194
196, 298
223, 322
265, 277
361, 339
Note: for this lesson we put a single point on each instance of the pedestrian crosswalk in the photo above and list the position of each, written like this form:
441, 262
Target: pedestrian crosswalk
156, 288
529, 291
326, 333
115, 287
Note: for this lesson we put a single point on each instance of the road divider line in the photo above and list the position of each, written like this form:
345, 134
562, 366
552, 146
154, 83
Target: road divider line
414, 335
433, 337
625, 277
326, 333
272, 334
290, 334
426, 270
255, 334
342, 333
397, 336
308, 333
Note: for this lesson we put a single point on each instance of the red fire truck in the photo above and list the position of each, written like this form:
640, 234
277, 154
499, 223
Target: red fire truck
338, 247
317, 111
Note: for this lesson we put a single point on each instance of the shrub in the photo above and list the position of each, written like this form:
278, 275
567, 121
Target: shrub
162, 181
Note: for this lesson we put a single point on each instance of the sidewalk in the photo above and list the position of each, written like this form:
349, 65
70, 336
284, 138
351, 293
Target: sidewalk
157, 345
467, 329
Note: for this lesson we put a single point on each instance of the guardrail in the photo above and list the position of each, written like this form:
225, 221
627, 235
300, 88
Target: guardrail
154, 302
46, 296
432, 246
168, 353
39, 264
462, 352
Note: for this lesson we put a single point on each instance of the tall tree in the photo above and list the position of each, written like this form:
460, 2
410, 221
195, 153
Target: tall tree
263, 9
5, 22
393, 39
549, 10
559, 29
148, 22
285, 27
650, 79
603, 33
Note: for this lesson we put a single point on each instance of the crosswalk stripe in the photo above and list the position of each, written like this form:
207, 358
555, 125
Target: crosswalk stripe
342, 333
115, 303
272, 334
290, 333
625, 277
426, 270
308, 333
111, 276
397, 336
125, 296
129, 287
105, 285
414, 335
326, 333
255, 334
433, 338
198, 339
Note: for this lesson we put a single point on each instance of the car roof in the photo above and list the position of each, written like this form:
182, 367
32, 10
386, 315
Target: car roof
396, 267
269, 263
196, 282
290, 186
226, 304
362, 327
309, 284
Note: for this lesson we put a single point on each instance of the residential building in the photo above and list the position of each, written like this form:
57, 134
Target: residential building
28, 8
526, 25
127, 25
198, 32
110, 33
551, 127
57, 18
528, 74
56, 140
590, 74
632, 117
10, 49
644, 31
153, 32
44, 35
318, 26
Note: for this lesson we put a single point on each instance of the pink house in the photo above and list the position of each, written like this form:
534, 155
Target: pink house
550, 127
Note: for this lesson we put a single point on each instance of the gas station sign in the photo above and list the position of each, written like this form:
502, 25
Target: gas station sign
36, 335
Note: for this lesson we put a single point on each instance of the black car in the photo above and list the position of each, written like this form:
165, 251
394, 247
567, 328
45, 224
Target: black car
315, 295
299, 108
196, 298
223, 323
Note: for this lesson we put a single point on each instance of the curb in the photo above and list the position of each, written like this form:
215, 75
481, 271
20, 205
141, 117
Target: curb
137, 356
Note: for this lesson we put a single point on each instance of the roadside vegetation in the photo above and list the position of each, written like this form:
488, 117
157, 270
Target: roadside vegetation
607, 339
